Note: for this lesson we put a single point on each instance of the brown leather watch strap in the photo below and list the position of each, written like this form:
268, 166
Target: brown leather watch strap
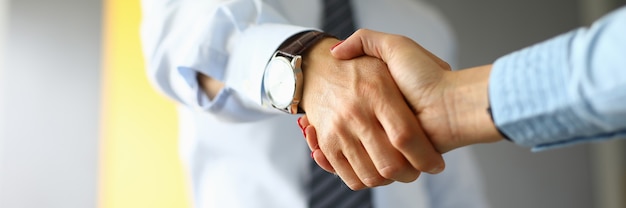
298, 43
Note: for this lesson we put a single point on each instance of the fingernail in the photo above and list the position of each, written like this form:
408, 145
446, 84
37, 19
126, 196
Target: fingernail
312, 155
436, 170
300, 125
336, 45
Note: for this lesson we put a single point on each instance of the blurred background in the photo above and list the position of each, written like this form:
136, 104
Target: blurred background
81, 127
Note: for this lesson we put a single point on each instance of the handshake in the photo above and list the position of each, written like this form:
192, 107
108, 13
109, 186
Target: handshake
384, 109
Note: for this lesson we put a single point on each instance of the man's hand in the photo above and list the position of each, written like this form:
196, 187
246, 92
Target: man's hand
362, 120
450, 106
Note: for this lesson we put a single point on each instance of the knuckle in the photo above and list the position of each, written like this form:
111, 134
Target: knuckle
355, 185
350, 109
396, 39
404, 38
374, 181
403, 139
391, 171
400, 172
366, 88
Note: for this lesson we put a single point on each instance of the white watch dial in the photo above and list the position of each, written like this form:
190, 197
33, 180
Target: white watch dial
280, 82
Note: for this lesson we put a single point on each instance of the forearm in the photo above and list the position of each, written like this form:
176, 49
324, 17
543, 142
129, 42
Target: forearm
195, 50
313, 70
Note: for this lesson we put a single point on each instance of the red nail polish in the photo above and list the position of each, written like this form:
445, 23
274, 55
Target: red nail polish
300, 125
304, 132
336, 45
312, 155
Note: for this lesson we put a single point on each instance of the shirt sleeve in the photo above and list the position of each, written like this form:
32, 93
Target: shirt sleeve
566, 90
230, 41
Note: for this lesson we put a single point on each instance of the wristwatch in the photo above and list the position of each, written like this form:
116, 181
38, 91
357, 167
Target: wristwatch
283, 79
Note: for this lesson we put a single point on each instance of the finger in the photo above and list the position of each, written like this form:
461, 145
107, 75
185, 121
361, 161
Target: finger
406, 135
303, 121
311, 137
363, 165
321, 160
344, 170
331, 147
388, 161
350, 160
363, 128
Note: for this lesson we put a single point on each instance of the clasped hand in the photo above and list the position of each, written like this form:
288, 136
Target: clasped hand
362, 121
370, 131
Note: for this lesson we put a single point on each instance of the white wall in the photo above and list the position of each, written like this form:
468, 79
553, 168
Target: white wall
51, 84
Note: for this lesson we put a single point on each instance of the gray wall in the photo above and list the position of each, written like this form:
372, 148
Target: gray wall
487, 29
515, 177
3, 20
50, 104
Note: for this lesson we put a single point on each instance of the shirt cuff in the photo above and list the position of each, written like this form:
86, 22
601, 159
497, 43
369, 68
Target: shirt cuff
250, 56
243, 77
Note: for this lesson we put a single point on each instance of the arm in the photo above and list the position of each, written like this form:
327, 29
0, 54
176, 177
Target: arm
199, 53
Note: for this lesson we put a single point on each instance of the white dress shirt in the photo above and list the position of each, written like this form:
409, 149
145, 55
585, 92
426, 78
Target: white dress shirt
241, 154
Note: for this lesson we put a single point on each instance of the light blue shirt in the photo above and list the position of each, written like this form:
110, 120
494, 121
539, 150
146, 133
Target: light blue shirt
566, 90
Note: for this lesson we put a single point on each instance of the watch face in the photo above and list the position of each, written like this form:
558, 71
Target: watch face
280, 82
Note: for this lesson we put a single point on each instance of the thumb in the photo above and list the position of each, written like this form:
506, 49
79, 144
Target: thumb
385, 46
362, 42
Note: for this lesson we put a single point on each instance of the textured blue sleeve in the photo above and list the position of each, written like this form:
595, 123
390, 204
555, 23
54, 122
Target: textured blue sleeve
566, 90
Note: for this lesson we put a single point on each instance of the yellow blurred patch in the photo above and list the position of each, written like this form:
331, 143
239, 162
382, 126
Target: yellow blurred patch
140, 166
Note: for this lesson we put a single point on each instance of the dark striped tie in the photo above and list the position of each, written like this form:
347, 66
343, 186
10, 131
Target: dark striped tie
326, 189
338, 19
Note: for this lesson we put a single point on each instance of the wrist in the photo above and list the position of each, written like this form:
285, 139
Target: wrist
468, 105
283, 77
209, 85
313, 60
